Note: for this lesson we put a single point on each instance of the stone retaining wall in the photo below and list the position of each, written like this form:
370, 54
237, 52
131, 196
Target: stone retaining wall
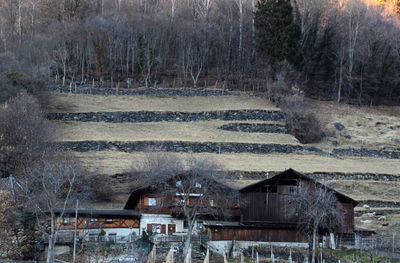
182, 146
320, 176
154, 116
255, 127
211, 147
379, 204
379, 212
146, 92
367, 153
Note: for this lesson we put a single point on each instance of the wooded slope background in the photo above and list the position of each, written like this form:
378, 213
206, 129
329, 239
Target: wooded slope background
347, 49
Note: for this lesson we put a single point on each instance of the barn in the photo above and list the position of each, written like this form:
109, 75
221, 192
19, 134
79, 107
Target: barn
264, 214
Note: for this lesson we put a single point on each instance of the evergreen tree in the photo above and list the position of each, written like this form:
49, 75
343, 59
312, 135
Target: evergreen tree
277, 34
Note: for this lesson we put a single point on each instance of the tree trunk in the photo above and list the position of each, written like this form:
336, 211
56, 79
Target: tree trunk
188, 241
52, 240
314, 244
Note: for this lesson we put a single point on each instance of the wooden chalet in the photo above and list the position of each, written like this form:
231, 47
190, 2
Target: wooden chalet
159, 214
264, 215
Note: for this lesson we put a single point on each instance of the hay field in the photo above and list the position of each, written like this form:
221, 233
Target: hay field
368, 190
373, 127
204, 131
61, 102
112, 162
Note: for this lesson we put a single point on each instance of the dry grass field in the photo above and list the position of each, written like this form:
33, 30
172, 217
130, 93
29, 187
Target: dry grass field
112, 162
368, 190
61, 102
204, 131
373, 127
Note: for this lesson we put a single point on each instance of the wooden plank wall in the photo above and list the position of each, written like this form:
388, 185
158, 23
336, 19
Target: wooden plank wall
267, 235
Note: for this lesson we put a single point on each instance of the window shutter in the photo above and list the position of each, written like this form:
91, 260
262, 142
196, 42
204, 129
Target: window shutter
149, 228
146, 201
163, 229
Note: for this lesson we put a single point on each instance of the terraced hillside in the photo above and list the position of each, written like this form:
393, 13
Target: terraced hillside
110, 130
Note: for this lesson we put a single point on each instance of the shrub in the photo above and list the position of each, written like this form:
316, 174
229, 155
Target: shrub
12, 83
301, 123
305, 126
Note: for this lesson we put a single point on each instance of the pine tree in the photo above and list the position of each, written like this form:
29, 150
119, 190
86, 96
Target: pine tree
277, 35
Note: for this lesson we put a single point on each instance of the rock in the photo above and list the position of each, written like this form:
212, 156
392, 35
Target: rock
382, 218
366, 207
338, 126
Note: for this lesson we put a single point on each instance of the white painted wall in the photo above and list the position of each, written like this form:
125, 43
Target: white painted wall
162, 220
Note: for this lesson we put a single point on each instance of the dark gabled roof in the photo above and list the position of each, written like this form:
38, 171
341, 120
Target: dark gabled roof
147, 187
100, 212
292, 174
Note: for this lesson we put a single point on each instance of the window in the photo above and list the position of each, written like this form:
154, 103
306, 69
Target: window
66, 220
109, 220
200, 225
185, 224
212, 203
93, 219
152, 201
178, 183
293, 189
181, 202
112, 237
156, 229
198, 185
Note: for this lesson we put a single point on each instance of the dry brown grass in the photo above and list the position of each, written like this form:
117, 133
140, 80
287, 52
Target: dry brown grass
372, 127
390, 225
368, 190
60, 102
112, 162
204, 131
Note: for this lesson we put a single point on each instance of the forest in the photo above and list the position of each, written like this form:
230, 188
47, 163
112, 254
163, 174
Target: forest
343, 50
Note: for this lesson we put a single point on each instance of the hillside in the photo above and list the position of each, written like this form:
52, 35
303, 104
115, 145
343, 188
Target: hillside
109, 132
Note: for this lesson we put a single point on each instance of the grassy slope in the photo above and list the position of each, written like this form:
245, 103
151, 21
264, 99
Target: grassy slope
95, 103
110, 162
204, 131
368, 190
372, 127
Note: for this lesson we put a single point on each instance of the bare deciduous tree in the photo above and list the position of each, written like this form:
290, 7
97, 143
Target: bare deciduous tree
48, 187
191, 187
316, 208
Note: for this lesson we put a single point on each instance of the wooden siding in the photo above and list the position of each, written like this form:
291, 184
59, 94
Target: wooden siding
256, 234
89, 223
265, 207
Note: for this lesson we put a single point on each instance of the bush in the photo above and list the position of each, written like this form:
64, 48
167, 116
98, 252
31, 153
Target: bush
305, 126
24, 134
12, 83
302, 124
